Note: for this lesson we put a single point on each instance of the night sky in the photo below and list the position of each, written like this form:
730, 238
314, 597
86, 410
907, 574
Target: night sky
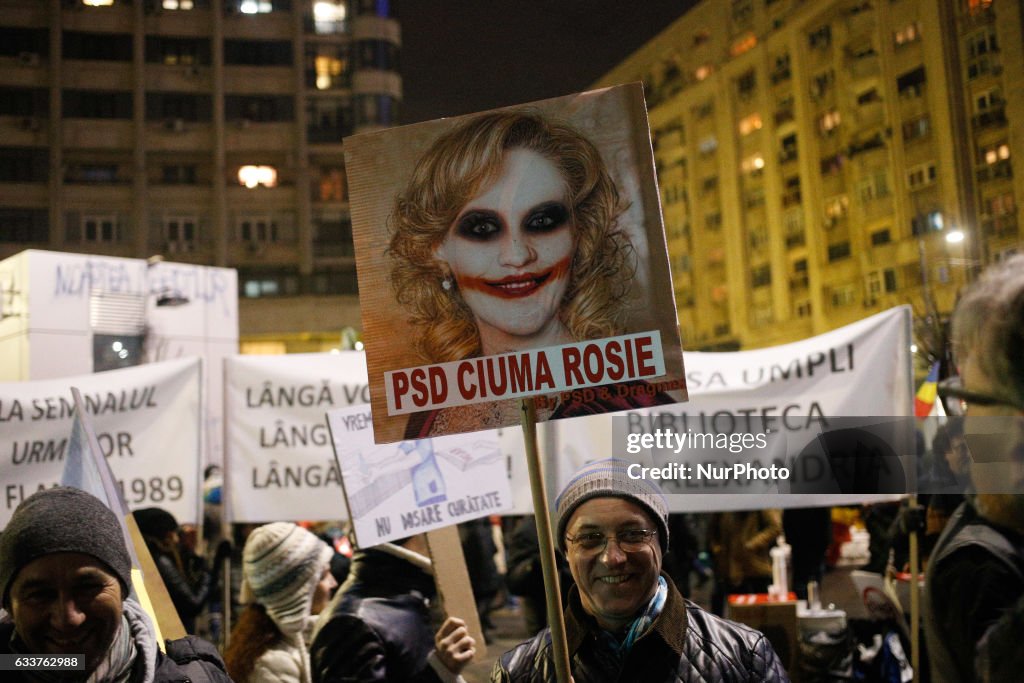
462, 56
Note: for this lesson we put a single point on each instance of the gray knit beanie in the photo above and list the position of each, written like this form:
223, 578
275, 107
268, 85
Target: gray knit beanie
62, 520
608, 478
281, 565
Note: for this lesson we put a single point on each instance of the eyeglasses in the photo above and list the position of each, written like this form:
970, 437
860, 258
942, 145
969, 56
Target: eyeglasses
629, 541
952, 388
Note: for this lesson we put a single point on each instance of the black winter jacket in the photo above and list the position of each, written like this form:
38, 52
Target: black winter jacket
187, 659
686, 644
378, 626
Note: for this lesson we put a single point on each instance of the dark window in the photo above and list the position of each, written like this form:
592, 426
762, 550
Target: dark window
377, 54
110, 47
184, 51
97, 104
890, 280
178, 174
24, 225
24, 102
334, 238
329, 120
821, 38
839, 251
880, 237
259, 108
746, 84
377, 110
378, 8
334, 282
24, 165
761, 276
258, 52
91, 173
161, 106
911, 83
28, 44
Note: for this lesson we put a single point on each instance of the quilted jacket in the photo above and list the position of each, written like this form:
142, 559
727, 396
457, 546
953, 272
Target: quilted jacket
686, 644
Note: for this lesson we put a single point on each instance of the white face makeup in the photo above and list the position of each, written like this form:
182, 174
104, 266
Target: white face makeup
510, 251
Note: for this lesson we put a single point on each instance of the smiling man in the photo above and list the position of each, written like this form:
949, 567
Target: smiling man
625, 620
65, 579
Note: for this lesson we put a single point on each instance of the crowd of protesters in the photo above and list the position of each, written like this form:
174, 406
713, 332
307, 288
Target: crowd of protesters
312, 610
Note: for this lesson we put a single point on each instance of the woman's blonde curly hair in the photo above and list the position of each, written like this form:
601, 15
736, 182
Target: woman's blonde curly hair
451, 173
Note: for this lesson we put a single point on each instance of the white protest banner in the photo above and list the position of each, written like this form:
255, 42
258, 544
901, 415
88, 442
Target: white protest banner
147, 421
279, 464
400, 489
862, 369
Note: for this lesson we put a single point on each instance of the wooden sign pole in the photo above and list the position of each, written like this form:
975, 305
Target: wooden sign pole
452, 579
552, 590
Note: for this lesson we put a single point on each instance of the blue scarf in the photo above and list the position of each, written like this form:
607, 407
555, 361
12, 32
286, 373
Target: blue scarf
642, 624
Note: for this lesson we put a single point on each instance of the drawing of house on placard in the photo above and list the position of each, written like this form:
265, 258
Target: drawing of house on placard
380, 472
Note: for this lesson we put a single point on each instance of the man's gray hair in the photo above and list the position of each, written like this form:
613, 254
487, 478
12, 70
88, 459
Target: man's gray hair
988, 325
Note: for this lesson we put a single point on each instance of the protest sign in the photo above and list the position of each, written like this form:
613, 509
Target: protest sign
397, 490
510, 254
147, 422
279, 464
862, 369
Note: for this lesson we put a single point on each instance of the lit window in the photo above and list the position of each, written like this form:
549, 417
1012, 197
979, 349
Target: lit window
829, 120
328, 17
256, 6
703, 72
328, 71
178, 4
744, 44
907, 34
996, 153
976, 6
837, 207
752, 164
97, 3
254, 176
749, 124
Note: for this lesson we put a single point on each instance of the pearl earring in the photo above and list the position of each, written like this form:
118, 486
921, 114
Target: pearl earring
446, 284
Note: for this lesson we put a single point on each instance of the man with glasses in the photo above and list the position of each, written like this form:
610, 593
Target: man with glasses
625, 619
976, 571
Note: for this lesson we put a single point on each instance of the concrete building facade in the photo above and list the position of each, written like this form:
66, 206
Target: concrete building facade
818, 160
206, 131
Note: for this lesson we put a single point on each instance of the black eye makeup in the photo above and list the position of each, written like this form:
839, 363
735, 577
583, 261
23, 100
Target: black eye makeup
546, 217
478, 225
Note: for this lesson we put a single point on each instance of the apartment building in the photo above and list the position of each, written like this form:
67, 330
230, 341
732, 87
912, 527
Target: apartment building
822, 160
205, 131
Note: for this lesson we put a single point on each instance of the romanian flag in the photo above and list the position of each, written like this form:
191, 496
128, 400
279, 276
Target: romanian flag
925, 398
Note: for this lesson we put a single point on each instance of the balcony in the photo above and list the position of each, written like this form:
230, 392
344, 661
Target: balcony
999, 170
989, 118
1000, 226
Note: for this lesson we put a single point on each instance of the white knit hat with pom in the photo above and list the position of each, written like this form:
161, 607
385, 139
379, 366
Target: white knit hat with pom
282, 564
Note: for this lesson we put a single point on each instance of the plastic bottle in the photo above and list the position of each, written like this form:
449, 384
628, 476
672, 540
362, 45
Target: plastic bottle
779, 590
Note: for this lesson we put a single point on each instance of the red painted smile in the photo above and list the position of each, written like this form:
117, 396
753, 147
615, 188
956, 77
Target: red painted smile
516, 286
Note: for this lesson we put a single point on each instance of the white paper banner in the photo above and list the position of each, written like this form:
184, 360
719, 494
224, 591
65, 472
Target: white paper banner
399, 489
279, 464
148, 422
862, 369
